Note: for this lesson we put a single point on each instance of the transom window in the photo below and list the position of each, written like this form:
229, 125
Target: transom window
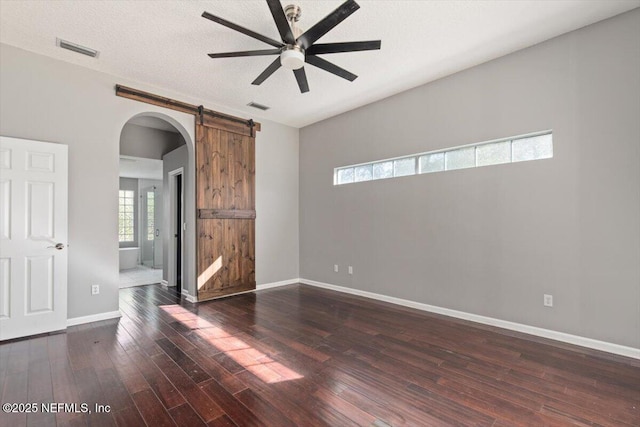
508, 150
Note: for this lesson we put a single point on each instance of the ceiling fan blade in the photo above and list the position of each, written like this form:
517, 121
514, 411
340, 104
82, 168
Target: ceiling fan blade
301, 77
343, 47
267, 72
328, 66
243, 30
327, 23
281, 21
246, 53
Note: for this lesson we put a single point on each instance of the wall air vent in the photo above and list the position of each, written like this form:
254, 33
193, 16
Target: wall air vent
258, 106
77, 48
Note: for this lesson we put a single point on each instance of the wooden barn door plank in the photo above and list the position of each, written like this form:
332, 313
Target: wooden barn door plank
225, 175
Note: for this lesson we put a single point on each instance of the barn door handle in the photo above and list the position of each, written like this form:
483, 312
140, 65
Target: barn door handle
58, 246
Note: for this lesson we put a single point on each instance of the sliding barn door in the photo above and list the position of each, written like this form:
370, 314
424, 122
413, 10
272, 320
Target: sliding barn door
225, 201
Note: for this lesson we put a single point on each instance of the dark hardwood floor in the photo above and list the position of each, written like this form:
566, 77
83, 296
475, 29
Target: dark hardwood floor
303, 356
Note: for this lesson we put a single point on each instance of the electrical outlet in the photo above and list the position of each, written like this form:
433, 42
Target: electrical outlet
335, 268
350, 270
95, 289
548, 300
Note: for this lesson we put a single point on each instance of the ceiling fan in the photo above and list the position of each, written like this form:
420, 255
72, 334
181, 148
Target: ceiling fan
298, 47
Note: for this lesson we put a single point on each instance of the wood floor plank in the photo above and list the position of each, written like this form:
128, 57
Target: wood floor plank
263, 409
91, 393
128, 417
151, 410
161, 386
302, 356
40, 388
15, 391
190, 368
235, 410
127, 371
206, 408
65, 389
223, 421
114, 391
350, 411
216, 371
296, 401
184, 415
18, 357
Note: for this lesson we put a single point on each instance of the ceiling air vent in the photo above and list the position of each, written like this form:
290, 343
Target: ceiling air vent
258, 106
77, 48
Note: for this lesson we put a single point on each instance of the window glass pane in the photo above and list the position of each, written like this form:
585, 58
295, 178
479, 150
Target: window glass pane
460, 158
150, 215
363, 173
382, 170
537, 147
494, 154
125, 216
345, 175
404, 167
432, 163
482, 154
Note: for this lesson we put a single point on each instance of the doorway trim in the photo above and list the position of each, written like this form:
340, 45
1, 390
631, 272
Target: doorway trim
173, 230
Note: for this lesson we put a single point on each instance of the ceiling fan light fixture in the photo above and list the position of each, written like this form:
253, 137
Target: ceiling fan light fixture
292, 58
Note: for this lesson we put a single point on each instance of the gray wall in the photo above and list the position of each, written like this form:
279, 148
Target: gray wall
50, 100
493, 240
277, 238
140, 141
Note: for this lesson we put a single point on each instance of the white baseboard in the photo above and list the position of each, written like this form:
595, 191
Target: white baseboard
519, 327
190, 298
164, 283
93, 318
276, 284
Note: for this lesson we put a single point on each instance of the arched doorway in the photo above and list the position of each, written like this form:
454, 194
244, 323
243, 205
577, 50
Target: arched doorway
155, 195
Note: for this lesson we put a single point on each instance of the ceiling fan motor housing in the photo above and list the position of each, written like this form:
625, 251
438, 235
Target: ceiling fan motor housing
292, 57
293, 12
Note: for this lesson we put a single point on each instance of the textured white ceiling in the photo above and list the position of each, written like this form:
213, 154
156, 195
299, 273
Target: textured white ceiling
164, 44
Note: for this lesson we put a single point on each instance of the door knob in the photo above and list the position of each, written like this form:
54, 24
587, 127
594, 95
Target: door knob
58, 246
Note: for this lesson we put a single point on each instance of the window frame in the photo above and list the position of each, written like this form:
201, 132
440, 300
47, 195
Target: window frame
444, 151
134, 241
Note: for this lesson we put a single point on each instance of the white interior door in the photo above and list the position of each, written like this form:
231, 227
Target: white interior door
33, 237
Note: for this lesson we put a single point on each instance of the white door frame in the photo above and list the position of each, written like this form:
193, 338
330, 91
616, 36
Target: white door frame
173, 229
